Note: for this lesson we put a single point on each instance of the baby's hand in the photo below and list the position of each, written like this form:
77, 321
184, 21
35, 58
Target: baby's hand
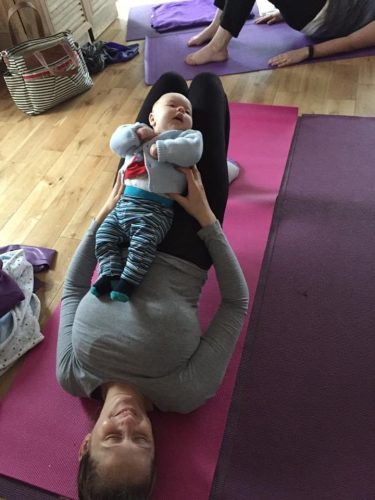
154, 151
145, 133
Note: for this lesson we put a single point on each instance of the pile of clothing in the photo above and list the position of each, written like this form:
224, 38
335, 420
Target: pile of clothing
19, 305
98, 54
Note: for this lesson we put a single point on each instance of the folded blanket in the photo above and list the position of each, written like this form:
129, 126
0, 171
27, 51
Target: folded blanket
10, 293
183, 14
19, 330
41, 258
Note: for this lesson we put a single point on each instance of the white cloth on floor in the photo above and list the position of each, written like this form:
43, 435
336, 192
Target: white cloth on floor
233, 170
20, 330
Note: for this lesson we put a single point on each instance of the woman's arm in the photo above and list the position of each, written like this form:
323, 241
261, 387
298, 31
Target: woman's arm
206, 369
76, 285
360, 39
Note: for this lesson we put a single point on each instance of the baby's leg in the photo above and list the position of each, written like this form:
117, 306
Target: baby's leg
146, 231
108, 253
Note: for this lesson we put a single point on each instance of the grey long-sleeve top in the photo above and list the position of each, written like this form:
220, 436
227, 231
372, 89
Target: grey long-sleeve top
155, 341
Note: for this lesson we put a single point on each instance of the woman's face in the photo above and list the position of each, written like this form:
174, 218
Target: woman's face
121, 441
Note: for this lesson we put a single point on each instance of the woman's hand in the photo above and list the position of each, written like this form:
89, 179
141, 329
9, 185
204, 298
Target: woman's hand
112, 199
288, 58
195, 202
270, 18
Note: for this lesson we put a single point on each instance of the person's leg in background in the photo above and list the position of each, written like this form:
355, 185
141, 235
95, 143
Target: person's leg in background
227, 23
211, 117
209, 31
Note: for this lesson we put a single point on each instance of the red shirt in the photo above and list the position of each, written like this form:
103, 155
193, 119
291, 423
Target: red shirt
136, 167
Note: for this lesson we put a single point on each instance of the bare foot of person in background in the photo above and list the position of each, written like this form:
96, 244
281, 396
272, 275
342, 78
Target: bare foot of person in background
208, 33
215, 51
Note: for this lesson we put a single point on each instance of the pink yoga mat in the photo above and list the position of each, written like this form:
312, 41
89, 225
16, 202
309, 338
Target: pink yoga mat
42, 427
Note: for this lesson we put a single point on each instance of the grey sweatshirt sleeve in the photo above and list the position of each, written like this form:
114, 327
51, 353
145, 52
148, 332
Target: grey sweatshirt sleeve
205, 371
184, 150
76, 285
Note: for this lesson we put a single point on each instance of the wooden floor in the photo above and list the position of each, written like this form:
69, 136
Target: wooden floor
56, 169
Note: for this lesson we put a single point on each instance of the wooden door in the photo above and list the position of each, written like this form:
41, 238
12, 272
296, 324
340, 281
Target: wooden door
100, 13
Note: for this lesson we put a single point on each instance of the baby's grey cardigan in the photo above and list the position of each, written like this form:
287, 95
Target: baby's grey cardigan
155, 341
174, 147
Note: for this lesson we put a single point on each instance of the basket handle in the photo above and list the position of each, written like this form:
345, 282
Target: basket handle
19, 5
59, 72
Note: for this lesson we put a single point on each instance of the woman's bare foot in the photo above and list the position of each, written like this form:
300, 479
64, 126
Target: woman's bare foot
204, 36
215, 51
208, 33
206, 55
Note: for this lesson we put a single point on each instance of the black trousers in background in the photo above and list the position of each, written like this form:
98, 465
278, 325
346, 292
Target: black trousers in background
296, 13
235, 14
211, 117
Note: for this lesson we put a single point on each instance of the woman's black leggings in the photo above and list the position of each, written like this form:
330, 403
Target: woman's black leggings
235, 14
211, 117
295, 12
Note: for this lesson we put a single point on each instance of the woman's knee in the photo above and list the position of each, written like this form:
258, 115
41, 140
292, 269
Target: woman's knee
172, 79
220, 4
206, 80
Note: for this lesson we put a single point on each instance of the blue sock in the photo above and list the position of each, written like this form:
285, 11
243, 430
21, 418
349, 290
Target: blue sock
101, 286
121, 297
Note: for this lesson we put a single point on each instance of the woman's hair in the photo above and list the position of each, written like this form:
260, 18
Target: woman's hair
92, 487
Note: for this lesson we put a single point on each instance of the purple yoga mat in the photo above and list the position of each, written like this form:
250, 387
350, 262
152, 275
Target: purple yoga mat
251, 51
301, 422
10, 489
139, 23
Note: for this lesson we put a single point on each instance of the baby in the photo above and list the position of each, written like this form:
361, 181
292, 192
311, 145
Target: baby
144, 214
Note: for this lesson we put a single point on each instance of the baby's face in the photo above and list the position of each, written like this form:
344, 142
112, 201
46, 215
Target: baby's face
171, 112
